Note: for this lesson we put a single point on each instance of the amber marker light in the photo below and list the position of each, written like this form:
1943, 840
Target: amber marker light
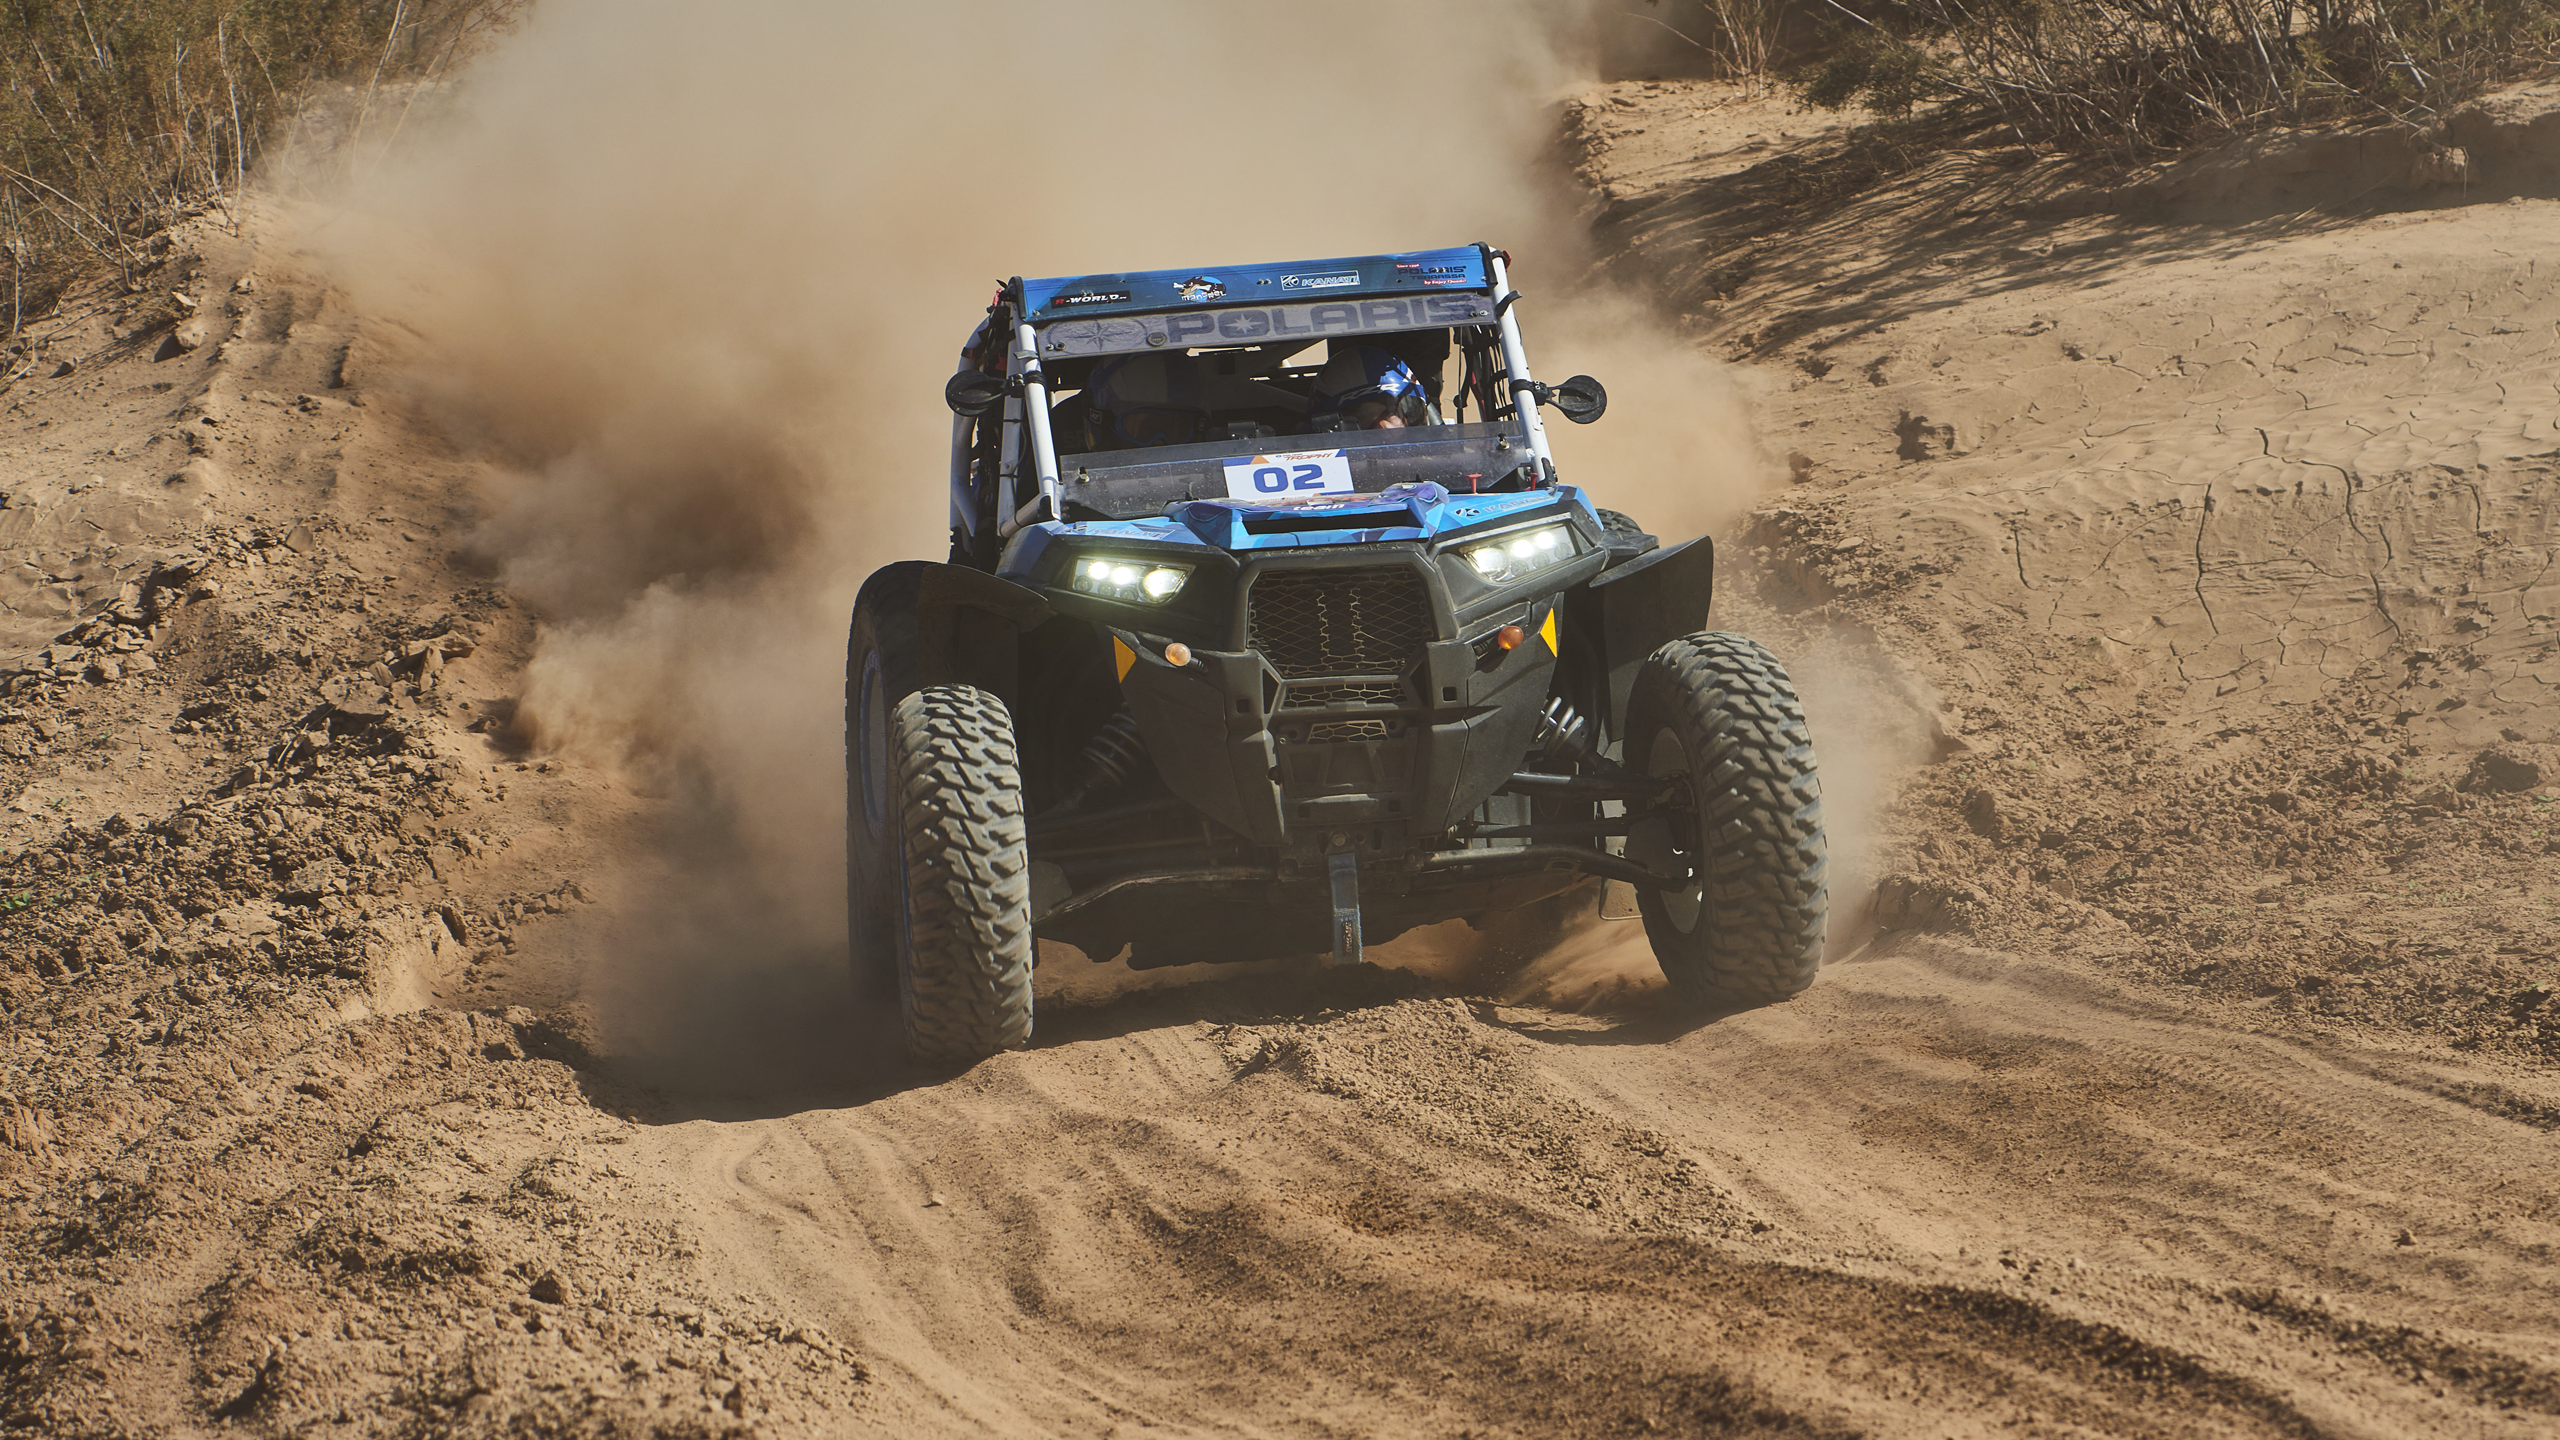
1177, 653
1509, 637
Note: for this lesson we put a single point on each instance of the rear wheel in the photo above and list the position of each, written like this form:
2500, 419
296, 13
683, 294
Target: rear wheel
1719, 711
965, 947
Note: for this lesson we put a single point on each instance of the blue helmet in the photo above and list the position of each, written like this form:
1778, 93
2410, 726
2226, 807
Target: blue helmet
1142, 400
1364, 388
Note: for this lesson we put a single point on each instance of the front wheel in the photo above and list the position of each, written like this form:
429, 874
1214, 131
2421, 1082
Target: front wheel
964, 944
1719, 711
879, 672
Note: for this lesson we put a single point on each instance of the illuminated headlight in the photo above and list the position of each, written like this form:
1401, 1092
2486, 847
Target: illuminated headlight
1140, 582
1522, 552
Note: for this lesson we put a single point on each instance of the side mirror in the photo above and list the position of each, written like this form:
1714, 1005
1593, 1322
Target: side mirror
1581, 399
971, 393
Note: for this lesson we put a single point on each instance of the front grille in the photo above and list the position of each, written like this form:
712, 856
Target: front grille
1326, 732
1321, 694
1339, 622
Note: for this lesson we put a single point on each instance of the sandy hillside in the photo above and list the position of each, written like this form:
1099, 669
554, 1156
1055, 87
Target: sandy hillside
2166, 579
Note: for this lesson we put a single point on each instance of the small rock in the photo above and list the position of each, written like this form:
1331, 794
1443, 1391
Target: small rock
202, 480
189, 334
356, 697
2404, 1238
2445, 165
549, 1289
1982, 812
2504, 768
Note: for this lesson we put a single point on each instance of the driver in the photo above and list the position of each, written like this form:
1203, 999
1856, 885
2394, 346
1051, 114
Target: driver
1141, 401
1365, 388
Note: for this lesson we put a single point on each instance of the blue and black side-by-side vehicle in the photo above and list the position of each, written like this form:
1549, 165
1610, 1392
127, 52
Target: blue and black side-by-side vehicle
1280, 691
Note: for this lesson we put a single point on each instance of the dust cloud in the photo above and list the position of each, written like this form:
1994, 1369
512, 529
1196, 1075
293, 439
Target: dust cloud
691, 280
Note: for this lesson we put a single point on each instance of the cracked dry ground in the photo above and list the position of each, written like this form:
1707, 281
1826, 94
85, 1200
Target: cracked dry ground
2194, 1082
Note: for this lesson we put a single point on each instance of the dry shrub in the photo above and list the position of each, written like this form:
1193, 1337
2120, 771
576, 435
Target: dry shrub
115, 117
2135, 77
1739, 39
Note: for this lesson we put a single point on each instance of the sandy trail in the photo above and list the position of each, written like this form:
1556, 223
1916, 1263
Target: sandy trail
2190, 1076
1945, 1193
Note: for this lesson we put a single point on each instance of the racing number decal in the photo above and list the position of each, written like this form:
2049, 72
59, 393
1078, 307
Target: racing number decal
1281, 479
1276, 479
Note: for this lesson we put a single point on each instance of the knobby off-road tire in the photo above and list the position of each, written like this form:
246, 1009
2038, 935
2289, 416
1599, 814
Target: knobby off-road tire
879, 671
964, 956
1720, 710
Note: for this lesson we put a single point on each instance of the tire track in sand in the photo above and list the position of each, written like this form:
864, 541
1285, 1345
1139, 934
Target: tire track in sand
1939, 1194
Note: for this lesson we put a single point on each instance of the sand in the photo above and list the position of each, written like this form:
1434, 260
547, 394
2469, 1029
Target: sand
2171, 590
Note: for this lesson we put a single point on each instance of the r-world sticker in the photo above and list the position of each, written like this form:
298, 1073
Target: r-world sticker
1287, 478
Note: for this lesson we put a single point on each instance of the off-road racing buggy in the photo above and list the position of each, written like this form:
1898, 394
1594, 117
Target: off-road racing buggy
1265, 692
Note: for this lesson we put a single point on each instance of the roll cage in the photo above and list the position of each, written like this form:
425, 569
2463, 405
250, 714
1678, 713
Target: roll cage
1041, 336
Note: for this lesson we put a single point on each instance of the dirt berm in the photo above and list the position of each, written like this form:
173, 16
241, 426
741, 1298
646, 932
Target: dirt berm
2173, 589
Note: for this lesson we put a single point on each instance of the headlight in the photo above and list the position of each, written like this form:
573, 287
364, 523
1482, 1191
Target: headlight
1140, 582
1504, 558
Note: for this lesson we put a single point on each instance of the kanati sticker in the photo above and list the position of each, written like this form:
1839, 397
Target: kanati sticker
1341, 281
1201, 287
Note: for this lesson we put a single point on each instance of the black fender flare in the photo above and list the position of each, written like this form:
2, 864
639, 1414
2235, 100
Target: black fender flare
1641, 606
960, 626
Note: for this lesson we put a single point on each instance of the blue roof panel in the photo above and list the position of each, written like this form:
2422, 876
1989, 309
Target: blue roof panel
1296, 281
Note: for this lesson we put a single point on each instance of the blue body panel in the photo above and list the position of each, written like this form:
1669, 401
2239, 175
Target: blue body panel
1296, 281
1404, 512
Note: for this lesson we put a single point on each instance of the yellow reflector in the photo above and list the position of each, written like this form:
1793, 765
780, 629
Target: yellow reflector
1547, 632
1122, 657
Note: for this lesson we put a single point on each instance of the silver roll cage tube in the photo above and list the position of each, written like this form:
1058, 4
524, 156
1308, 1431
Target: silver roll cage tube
1515, 365
1024, 362
1028, 405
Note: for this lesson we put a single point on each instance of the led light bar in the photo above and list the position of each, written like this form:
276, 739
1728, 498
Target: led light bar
1139, 582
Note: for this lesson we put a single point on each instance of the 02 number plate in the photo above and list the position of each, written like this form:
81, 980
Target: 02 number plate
1288, 478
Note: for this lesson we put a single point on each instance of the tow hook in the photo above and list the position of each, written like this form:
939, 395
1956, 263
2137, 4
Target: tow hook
1344, 868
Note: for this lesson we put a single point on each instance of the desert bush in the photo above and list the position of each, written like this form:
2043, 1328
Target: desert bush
1739, 39
2134, 77
115, 115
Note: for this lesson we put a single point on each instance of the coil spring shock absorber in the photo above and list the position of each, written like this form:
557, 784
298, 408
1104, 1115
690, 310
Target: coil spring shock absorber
1113, 755
1562, 734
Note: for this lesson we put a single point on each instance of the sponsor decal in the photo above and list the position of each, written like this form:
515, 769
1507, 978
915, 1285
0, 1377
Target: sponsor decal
1201, 287
1092, 297
1342, 280
1104, 335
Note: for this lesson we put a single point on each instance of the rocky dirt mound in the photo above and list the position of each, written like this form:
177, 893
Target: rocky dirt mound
2225, 551
256, 747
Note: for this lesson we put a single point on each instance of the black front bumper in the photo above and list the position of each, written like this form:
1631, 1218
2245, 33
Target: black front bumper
1367, 719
